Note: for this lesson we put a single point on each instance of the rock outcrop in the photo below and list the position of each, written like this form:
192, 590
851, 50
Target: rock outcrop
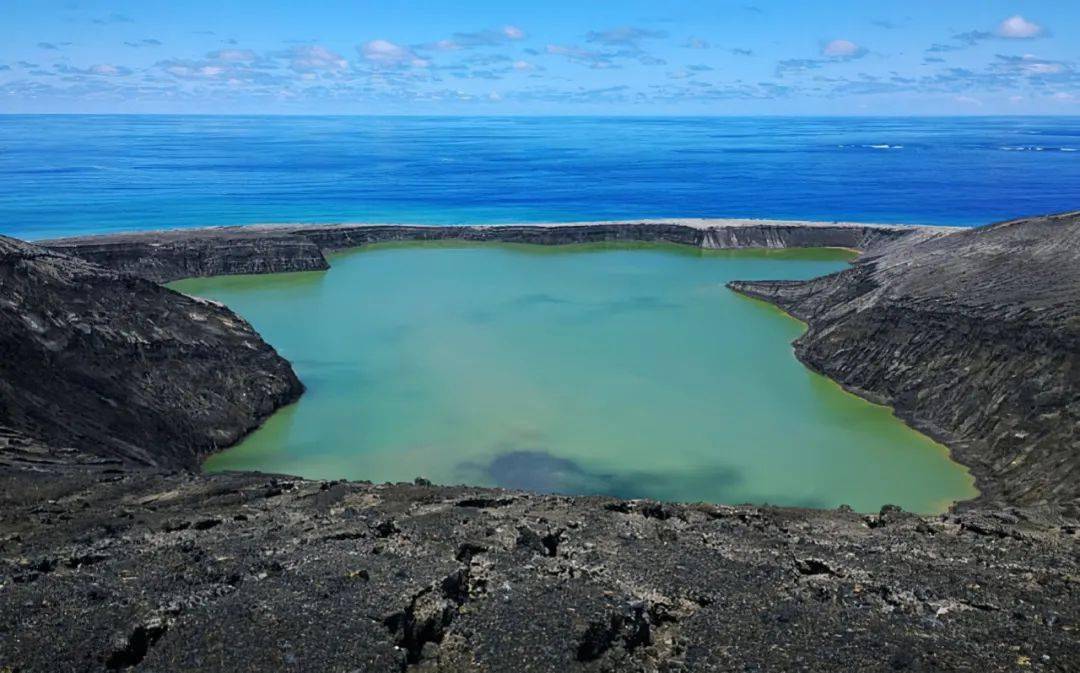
165, 256
973, 338
121, 367
171, 255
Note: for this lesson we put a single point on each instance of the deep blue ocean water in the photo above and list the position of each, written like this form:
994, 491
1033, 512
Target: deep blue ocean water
65, 175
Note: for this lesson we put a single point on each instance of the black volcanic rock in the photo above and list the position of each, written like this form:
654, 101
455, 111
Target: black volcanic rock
164, 256
117, 366
973, 337
243, 572
170, 255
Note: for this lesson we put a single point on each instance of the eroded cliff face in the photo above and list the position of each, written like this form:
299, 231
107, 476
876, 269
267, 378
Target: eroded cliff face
118, 366
972, 337
165, 256
168, 256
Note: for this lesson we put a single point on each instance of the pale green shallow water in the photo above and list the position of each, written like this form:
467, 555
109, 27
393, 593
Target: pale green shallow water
628, 370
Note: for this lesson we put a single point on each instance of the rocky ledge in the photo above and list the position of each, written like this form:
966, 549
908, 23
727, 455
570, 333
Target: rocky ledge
165, 256
115, 555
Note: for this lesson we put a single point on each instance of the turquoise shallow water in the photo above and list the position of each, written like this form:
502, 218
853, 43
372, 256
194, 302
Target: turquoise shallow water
629, 371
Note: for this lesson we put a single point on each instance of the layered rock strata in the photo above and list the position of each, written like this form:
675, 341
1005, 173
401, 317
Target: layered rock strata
165, 256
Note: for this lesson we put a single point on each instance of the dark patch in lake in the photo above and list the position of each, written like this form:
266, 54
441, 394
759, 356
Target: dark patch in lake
542, 472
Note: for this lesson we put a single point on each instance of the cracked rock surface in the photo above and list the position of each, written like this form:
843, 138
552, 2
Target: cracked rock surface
109, 570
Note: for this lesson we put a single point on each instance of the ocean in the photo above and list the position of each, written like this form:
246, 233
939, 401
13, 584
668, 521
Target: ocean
66, 175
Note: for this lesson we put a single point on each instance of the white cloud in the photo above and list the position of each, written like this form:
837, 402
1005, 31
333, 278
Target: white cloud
513, 32
968, 100
232, 55
386, 53
842, 49
576, 54
1064, 96
522, 65
315, 58
106, 69
1019, 28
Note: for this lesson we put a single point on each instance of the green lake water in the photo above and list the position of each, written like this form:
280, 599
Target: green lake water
626, 370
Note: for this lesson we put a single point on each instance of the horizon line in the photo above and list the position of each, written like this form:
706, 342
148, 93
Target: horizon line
541, 115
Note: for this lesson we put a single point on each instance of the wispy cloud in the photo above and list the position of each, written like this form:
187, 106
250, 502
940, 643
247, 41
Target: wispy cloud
482, 38
115, 17
832, 51
99, 70
576, 54
315, 59
624, 36
386, 54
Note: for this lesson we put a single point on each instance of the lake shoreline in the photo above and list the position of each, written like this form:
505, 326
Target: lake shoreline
672, 293
168, 255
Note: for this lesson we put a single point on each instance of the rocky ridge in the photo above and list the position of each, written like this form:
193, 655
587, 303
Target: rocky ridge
165, 256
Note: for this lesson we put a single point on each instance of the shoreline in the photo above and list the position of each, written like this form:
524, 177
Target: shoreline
691, 222
844, 256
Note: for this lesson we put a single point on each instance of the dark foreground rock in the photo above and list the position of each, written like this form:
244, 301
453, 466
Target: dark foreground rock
972, 337
121, 367
105, 570
165, 256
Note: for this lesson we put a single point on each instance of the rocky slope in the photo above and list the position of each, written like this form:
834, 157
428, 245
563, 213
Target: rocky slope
973, 337
165, 256
121, 367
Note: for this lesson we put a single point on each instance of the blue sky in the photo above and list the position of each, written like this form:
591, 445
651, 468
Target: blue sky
551, 57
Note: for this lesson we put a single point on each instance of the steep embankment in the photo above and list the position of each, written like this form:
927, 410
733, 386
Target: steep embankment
165, 256
121, 367
973, 337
